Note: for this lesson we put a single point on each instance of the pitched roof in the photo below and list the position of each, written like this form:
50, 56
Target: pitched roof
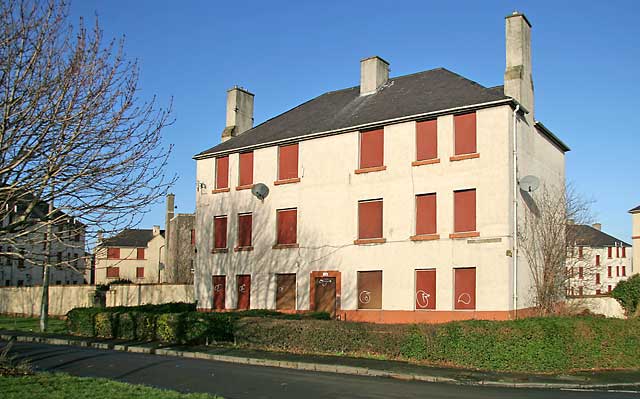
588, 236
402, 96
130, 238
635, 210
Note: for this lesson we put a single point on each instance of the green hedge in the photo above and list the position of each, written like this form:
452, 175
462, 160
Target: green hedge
627, 292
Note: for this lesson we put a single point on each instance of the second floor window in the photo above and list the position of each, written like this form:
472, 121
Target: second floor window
465, 134
140, 254
287, 220
113, 253
288, 162
370, 219
372, 149
245, 167
464, 213
222, 172
426, 140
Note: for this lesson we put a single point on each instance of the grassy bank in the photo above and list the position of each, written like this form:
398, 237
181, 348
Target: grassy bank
31, 324
63, 386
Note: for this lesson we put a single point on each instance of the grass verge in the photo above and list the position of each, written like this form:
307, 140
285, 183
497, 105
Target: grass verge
31, 324
63, 386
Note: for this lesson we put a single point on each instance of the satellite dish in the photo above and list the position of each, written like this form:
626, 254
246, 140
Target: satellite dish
529, 183
260, 190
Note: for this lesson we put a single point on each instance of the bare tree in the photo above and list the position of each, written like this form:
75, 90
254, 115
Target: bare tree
548, 243
78, 148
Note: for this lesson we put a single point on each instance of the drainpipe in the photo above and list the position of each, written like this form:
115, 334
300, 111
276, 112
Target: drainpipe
515, 211
160, 261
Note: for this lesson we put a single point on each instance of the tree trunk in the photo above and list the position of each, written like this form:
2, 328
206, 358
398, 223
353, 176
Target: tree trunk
44, 305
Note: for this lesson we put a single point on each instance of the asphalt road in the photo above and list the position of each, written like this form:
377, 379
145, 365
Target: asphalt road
240, 381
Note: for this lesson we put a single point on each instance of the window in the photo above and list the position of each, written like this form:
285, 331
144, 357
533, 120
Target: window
245, 178
286, 291
193, 236
113, 272
465, 134
425, 289
617, 271
598, 291
370, 219
580, 291
222, 173
140, 254
609, 288
624, 252
113, 253
244, 291
220, 232
580, 272
139, 272
597, 260
609, 274
597, 278
371, 150
219, 288
288, 163
427, 140
370, 290
426, 214
617, 251
624, 271
244, 230
464, 213
465, 288
609, 250
580, 252
287, 221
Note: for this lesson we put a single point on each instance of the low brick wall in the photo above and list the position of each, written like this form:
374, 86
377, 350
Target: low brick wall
154, 294
26, 300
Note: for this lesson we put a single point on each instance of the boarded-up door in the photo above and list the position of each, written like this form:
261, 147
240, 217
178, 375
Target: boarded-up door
244, 292
325, 295
285, 291
219, 288
465, 288
425, 289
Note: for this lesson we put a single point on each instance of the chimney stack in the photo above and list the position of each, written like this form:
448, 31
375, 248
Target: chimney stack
518, 82
167, 223
156, 230
597, 226
374, 72
239, 112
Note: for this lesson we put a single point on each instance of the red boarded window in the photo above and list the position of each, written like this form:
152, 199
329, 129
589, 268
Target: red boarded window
370, 219
597, 278
580, 252
220, 232
425, 289
287, 220
244, 291
370, 290
219, 288
113, 253
597, 260
580, 272
113, 272
244, 230
372, 148
624, 252
608, 288
609, 251
598, 291
609, 271
139, 272
464, 214
617, 252
617, 271
246, 169
465, 133
140, 253
426, 140
193, 237
624, 271
426, 214
580, 291
288, 162
465, 288
222, 172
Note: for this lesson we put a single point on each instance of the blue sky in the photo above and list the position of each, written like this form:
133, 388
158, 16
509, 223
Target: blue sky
585, 70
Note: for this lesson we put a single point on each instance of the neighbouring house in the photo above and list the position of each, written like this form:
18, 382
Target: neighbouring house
150, 255
133, 254
597, 262
635, 234
391, 201
56, 239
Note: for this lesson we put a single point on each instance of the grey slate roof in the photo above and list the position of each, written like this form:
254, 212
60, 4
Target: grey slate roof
130, 238
423, 92
636, 209
591, 237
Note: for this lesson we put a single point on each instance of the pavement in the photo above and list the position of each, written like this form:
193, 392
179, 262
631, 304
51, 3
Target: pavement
338, 365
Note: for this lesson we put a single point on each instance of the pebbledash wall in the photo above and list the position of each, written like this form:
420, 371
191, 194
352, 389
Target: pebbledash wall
326, 199
635, 236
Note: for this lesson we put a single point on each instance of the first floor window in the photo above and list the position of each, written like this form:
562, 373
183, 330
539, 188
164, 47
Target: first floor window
464, 211
370, 290
140, 253
139, 272
370, 219
113, 272
287, 225
245, 222
220, 232
426, 214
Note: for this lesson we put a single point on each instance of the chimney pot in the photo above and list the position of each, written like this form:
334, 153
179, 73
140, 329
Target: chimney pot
597, 226
156, 230
374, 72
239, 112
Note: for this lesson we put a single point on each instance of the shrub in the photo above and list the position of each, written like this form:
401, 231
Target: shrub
145, 325
105, 325
80, 321
170, 328
627, 292
126, 323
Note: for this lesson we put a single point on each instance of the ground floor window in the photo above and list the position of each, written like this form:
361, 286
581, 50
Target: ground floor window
426, 289
219, 288
139, 272
370, 290
244, 291
113, 272
286, 291
465, 288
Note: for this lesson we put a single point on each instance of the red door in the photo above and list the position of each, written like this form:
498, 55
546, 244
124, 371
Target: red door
244, 292
325, 295
219, 286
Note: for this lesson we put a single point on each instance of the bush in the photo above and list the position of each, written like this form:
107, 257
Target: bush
627, 292
105, 325
80, 321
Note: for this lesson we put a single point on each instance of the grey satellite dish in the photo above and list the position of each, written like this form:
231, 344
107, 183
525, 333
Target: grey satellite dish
529, 183
260, 190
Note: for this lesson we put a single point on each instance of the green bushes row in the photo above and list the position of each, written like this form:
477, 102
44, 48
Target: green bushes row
627, 292
529, 345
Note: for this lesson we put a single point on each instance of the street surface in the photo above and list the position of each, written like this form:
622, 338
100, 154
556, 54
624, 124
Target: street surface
241, 381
